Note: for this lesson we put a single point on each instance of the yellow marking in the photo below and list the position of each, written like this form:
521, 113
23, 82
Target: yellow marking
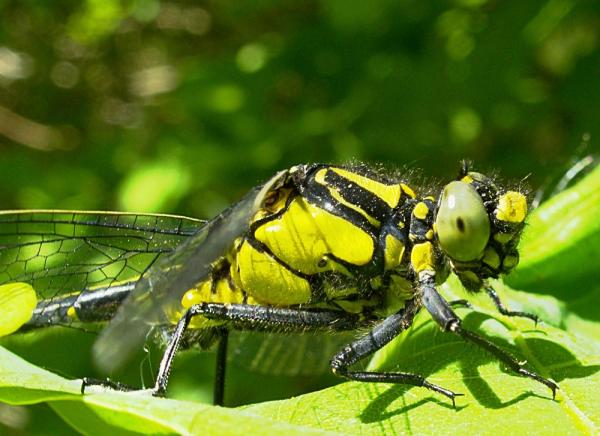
195, 296
191, 297
430, 197
320, 176
401, 225
421, 257
394, 250
408, 191
388, 193
491, 258
467, 179
512, 207
503, 238
305, 233
510, 262
72, 313
429, 234
421, 210
237, 244
268, 282
17, 303
205, 293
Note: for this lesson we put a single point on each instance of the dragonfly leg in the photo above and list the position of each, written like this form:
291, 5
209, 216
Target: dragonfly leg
442, 313
379, 336
248, 317
106, 383
273, 319
220, 368
504, 311
460, 303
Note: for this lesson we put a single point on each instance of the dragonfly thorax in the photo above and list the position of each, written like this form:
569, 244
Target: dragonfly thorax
345, 238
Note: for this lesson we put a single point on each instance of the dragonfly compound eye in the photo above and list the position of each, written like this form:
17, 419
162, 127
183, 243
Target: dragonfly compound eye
462, 224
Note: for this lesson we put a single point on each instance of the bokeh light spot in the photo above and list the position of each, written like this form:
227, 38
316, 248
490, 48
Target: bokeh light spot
465, 124
154, 187
251, 57
64, 75
227, 98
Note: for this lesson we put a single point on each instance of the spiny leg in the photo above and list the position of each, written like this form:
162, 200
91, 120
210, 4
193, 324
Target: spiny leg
379, 336
442, 313
105, 383
249, 317
504, 311
273, 319
502, 355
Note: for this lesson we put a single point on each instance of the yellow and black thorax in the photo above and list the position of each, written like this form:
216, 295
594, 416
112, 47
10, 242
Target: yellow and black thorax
350, 238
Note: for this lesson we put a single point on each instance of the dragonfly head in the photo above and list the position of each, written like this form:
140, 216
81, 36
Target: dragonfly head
478, 225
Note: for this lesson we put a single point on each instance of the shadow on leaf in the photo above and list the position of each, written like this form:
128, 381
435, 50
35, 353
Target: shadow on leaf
443, 349
377, 410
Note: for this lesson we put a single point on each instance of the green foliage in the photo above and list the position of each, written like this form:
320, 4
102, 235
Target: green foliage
95, 94
567, 221
565, 348
180, 107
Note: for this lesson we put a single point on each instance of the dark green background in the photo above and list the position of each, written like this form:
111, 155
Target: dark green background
180, 107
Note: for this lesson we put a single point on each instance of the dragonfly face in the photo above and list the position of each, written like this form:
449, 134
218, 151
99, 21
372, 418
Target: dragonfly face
316, 247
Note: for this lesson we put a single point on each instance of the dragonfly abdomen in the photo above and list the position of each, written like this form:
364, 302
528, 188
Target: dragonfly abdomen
89, 306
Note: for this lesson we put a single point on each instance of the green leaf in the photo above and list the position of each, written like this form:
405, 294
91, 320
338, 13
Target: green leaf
17, 303
101, 411
560, 251
495, 400
557, 273
561, 242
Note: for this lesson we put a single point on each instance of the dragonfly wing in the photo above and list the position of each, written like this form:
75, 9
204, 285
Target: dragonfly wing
72, 257
72, 252
164, 285
290, 354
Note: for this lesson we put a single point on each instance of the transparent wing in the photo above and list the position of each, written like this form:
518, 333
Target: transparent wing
291, 354
163, 286
65, 252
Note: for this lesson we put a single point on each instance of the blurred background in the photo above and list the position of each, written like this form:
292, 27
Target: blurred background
181, 107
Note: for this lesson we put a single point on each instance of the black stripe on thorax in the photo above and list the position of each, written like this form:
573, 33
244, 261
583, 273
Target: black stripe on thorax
318, 195
273, 216
315, 281
358, 196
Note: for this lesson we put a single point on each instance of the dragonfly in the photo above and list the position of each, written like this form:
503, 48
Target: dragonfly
317, 248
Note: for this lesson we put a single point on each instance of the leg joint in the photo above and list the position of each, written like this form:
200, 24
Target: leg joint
453, 325
341, 361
